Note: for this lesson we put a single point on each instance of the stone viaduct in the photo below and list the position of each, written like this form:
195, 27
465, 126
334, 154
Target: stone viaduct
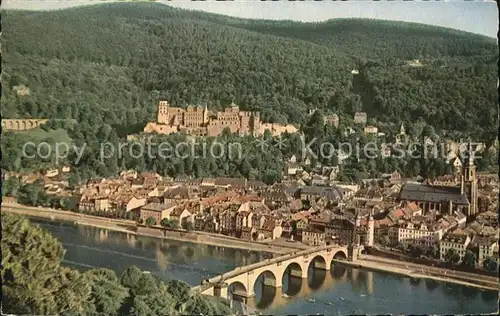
22, 124
242, 280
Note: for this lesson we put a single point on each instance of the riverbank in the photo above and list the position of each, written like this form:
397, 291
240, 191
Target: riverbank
130, 227
417, 271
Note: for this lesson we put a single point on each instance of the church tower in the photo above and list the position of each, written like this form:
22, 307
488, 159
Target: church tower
371, 230
468, 185
162, 116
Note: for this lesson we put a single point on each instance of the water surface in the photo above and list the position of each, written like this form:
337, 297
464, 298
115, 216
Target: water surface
340, 291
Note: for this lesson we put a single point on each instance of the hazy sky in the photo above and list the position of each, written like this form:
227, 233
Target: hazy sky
473, 16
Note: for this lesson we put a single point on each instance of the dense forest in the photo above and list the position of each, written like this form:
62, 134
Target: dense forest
118, 60
35, 283
107, 66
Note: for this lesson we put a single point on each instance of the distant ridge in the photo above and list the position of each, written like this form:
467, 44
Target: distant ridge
117, 60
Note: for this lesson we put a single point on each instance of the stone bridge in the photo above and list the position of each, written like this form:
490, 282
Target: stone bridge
22, 124
241, 281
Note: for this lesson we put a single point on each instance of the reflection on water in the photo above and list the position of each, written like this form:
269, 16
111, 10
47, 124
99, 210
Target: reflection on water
90, 247
338, 291
344, 290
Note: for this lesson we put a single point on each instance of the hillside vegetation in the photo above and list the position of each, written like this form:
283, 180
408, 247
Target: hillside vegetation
111, 64
35, 283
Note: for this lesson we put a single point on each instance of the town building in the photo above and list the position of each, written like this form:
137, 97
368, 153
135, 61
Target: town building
446, 199
370, 130
487, 247
454, 241
420, 234
313, 237
360, 117
157, 211
199, 121
332, 120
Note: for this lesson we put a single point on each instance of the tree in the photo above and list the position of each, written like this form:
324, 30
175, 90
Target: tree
384, 240
415, 251
490, 264
107, 294
188, 225
34, 282
10, 187
73, 181
168, 223
69, 203
452, 256
432, 251
469, 259
150, 221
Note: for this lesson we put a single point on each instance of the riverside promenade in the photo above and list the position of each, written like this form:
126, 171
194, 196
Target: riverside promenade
419, 271
130, 227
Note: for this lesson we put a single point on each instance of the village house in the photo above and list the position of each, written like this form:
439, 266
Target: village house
286, 227
339, 229
243, 219
255, 185
369, 194
258, 220
276, 198
370, 130
487, 248
270, 229
178, 194
360, 117
248, 233
228, 221
313, 237
157, 211
179, 215
126, 202
332, 120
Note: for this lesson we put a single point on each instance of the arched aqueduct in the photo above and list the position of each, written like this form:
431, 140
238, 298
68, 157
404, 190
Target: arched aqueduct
22, 124
242, 280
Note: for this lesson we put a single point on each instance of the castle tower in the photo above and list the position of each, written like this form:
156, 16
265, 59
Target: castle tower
162, 116
468, 184
370, 231
205, 115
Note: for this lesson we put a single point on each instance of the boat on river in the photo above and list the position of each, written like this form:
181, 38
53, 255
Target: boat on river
311, 300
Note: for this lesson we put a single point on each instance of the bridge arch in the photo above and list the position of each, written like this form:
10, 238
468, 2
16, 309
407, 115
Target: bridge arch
340, 255
269, 279
237, 290
294, 269
319, 262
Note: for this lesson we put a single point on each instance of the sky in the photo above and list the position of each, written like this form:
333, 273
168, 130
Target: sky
479, 16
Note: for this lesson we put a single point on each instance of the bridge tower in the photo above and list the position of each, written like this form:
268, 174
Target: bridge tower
220, 289
353, 246
371, 230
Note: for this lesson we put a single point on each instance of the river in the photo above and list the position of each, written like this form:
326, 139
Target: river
339, 291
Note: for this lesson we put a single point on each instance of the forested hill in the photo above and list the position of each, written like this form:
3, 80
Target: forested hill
111, 63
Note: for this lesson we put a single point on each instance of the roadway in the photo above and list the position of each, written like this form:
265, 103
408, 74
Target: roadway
415, 268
